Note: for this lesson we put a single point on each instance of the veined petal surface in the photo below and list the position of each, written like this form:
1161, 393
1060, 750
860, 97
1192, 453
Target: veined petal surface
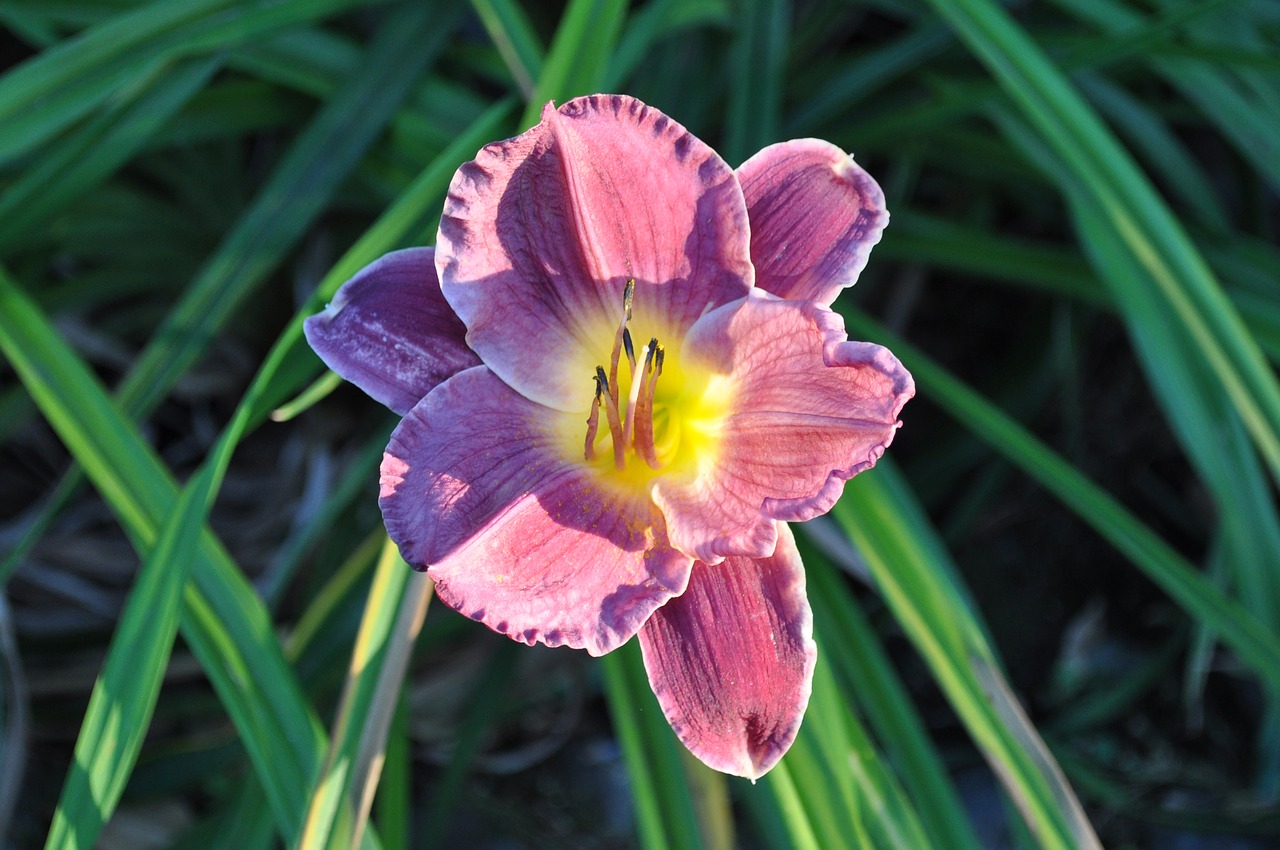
390, 332
541, 232
815, 215
731, 659
474, 490
809, 411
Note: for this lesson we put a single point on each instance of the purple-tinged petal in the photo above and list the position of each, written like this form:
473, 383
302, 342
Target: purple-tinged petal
809, 411
541, 232
476, 490
731, 659
815, 215
390, 332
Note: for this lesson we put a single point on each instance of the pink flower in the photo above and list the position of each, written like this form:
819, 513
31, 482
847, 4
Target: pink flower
623, 382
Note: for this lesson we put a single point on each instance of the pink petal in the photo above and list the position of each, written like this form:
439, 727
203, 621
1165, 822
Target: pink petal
810, 410
815, 215
541, 232
390, 332
731, 659
476, 490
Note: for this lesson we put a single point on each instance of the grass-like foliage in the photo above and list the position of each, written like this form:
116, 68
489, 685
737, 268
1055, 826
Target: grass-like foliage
1050, 618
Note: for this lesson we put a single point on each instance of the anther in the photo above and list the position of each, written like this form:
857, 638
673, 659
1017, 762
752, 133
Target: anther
628, 347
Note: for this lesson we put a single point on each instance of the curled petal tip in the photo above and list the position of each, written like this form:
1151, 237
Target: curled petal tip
815, 216
389, 331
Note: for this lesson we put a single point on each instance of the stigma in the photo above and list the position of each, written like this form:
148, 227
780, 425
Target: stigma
629, 415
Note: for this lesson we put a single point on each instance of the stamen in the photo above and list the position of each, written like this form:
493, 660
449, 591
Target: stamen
636, 380
615, 424
628, 295
658, 357
644, 440
593, 420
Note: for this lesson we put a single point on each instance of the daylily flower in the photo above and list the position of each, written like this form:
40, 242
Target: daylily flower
620, 379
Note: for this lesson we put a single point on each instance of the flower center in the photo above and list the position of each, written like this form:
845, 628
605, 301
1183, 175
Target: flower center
648, 415
630, 418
